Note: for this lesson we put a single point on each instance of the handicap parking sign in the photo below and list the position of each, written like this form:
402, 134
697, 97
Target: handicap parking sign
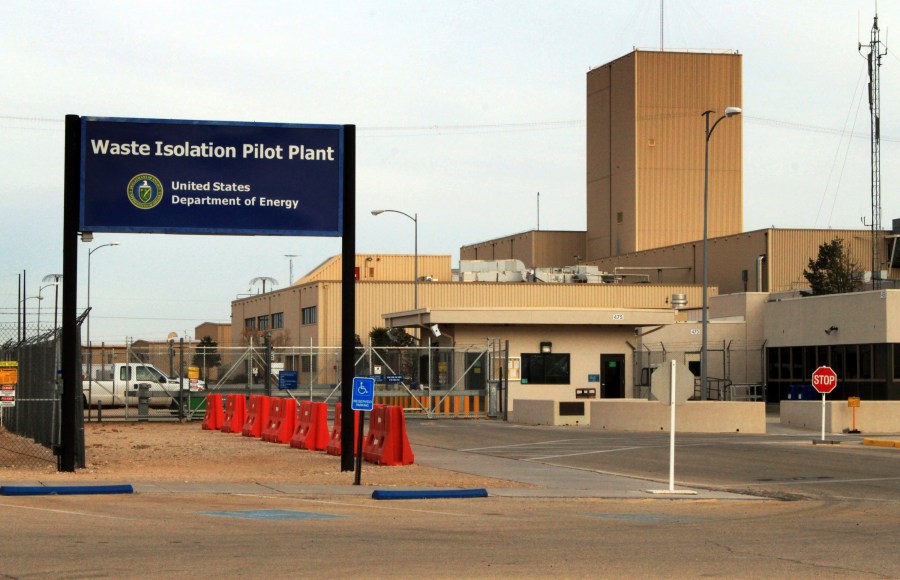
363, 397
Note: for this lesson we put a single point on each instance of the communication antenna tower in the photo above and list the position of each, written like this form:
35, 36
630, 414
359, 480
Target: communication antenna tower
873, 52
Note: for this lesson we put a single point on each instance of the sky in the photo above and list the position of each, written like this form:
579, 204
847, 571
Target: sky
465, 110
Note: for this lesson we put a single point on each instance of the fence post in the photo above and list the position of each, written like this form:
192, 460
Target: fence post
268, 364
181, 413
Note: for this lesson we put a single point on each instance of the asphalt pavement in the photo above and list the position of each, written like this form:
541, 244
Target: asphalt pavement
772, 505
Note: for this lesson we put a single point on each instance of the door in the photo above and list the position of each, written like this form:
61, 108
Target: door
612, 376
475, 379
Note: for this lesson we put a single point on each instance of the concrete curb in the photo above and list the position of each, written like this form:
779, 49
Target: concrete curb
881, 442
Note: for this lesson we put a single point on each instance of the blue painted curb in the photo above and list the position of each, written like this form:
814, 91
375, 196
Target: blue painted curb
430, 494
64, 489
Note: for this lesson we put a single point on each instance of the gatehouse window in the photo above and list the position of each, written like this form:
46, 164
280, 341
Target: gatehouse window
545, 369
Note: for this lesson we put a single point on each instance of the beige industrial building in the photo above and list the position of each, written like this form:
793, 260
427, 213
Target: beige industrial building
644, 199
645, 150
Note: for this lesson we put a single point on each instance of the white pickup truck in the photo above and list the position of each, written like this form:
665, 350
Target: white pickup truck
119, 384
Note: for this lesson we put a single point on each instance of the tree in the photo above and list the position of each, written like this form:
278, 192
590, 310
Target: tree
206, 355
833, 272
380, 336
399, 361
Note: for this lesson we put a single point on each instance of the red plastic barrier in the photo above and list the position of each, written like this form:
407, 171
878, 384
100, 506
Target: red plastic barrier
212, 420
235, 413
257, 416
334, 445
312, 427
386, 442
282, 419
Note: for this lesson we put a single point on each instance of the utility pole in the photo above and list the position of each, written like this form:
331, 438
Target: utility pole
875, 51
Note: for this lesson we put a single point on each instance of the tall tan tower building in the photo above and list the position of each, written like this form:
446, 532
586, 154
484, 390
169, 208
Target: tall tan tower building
645, 150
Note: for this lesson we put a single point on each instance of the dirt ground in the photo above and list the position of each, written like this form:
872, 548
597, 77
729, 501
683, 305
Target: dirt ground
184, 452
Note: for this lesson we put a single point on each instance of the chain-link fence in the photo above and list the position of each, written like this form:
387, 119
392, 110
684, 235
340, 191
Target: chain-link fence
736, 368
29, 421
458, 381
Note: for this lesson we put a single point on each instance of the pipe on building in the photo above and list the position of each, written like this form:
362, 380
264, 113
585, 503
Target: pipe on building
759, 260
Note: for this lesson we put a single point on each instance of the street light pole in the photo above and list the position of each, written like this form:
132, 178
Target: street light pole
415, 220
88, 332
704, 371
24, 305
41, 299
55, 278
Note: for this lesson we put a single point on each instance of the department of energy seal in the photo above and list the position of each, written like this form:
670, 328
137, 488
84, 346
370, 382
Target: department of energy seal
145, 191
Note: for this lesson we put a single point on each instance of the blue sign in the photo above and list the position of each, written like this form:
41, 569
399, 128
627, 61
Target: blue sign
287, 380
593, 378
363, 397
393, 378
202, 177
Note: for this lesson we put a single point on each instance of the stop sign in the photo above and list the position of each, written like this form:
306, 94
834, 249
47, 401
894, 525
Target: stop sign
824, 380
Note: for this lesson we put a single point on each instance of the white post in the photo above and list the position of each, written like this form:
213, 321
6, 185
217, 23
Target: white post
823, 416
672, 427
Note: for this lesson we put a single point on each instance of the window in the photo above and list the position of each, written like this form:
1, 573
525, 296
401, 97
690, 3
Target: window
851, 362
809, 363
142, 373
264, 322
309, 315
865, 361
309, 363
896, 348
773, 364
797, 363
545, 369
278, 320
249, 324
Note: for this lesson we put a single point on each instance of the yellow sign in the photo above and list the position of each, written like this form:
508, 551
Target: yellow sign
9, 372
193, 372
853, 401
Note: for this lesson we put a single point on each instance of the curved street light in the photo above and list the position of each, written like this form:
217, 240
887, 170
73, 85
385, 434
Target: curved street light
56, 279
264, 280
41, 299
415, 219
88, 331
704, 385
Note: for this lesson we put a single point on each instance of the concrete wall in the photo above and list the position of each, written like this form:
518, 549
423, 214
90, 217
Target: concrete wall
860, 317
640, 415
871, 416
691, 417
546, 412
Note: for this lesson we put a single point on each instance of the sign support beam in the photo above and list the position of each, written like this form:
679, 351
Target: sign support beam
71, 386
348, 298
